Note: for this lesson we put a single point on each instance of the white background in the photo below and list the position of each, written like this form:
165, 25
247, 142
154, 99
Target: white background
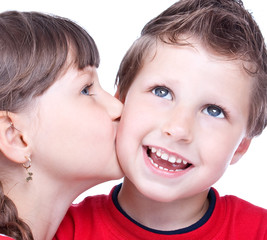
115, 25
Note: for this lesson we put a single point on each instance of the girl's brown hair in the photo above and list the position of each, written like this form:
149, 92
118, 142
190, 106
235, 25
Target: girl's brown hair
224, 27
33, 51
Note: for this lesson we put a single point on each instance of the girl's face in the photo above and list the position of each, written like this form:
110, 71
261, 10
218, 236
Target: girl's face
74, 128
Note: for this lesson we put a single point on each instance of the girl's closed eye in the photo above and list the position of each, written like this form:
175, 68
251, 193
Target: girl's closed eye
162, 92
86, 90
215, 111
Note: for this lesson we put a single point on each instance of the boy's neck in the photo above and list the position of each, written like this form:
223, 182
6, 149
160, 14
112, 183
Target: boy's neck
164, 216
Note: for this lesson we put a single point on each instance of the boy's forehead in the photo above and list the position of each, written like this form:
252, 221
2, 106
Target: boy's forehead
198, 47
157, 66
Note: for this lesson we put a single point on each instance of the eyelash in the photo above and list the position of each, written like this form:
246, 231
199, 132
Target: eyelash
153, 89
88, 88
224, 111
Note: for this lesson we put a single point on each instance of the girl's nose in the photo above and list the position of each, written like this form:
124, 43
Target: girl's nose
114, 107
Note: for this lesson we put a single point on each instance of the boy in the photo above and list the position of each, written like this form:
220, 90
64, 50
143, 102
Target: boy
194, 92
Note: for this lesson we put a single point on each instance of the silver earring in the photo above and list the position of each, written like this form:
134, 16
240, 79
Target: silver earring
27, 165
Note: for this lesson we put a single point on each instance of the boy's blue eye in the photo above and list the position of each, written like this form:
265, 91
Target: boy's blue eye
214, 111
162, 92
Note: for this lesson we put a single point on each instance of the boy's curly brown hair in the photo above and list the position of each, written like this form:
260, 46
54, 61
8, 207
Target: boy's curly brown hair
224, 27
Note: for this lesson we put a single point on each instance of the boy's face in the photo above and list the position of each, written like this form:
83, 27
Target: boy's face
184, 121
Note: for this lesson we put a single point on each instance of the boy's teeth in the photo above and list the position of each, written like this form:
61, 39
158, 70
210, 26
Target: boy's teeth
153, 150
158, 153
164, 168
165, 156
172, 159
179, 160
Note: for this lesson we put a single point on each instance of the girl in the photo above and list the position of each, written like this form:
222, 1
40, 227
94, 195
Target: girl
57, 125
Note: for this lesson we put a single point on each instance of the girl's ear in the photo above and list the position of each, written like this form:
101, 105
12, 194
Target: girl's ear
12, 141
241, 150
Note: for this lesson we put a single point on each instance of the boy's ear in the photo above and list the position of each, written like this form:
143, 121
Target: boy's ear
241, 150
12, 142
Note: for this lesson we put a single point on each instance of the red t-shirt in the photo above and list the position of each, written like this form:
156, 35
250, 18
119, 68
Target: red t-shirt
100, 217
4, 237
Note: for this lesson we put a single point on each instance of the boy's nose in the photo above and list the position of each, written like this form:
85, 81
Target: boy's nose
179, 126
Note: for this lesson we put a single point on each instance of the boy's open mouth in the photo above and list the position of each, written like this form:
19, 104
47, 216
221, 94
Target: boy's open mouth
165, 161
